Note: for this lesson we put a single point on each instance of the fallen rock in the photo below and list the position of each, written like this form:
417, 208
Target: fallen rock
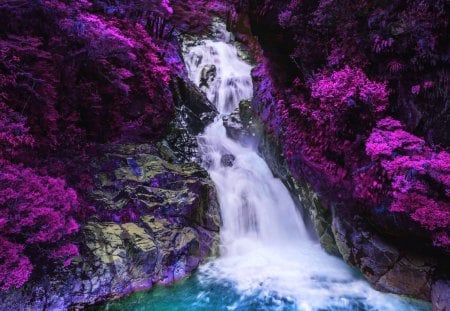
227, 160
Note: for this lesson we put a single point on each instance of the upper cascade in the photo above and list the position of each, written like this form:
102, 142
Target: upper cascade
215, 67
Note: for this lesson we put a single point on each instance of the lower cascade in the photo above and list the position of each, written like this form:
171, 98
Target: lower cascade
267, 259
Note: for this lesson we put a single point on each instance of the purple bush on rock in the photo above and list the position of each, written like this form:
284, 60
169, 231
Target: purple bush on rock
15, 267
341, 89
36, 217
413, 174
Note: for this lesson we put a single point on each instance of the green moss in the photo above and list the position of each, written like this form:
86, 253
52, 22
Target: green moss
138, 237
108, 241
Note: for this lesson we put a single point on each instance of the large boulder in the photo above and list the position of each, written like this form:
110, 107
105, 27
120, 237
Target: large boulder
384, 265
193, 112
155, 222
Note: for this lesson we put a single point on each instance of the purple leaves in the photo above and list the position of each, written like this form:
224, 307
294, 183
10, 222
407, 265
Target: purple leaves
34, 210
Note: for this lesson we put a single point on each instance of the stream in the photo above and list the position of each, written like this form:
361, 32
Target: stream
268, 261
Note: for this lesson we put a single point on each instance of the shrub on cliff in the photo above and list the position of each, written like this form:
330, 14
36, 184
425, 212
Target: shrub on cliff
36, 219
81, 77
402, 43
343, 106
415, 178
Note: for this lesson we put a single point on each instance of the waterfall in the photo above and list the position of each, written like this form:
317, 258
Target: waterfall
265, 250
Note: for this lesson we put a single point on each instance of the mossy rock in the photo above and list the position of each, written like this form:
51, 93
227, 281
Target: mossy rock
135, 177
110, 242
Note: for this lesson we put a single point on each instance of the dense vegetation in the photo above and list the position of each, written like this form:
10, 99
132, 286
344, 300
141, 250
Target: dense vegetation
358, 94
74, 74
355, 91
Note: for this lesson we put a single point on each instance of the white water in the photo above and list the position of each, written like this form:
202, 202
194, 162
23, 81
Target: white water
265, 250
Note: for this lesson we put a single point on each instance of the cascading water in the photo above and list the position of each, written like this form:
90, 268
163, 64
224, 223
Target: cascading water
267, 261
265, 248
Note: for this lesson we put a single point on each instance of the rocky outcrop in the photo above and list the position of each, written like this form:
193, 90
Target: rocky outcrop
243, 125
193, 113
155, 222
383, 264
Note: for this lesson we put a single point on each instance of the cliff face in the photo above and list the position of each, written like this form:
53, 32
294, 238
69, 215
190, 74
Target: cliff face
355, 95
155, 222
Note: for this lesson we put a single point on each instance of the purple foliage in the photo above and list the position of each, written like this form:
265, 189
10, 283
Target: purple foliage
337, 75
35, 212
413, 172
15, 267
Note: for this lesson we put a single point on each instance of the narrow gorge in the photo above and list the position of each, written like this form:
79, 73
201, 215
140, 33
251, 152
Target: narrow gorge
268, 260
168, 155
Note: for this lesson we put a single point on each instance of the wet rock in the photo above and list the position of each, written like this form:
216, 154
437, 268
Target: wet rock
208, 75
155, 222
320, 217
233, 126
383, 264
196, 110
440, 295
243, 125
227, 160
193, 112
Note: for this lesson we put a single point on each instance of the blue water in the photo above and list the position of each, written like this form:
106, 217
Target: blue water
268, 261
196, 293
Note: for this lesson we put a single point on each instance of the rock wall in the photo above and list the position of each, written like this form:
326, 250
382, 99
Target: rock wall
345, 230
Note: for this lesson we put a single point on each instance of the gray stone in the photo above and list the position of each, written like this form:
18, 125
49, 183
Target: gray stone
383, 264
166, 222
193, 113
227, 160
440, 295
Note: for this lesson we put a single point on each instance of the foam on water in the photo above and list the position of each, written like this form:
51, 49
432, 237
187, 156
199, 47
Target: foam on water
265, 250
267, 260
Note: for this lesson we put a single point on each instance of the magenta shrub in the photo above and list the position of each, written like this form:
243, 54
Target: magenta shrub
413, 174
341, 88
36, 217
15, 267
